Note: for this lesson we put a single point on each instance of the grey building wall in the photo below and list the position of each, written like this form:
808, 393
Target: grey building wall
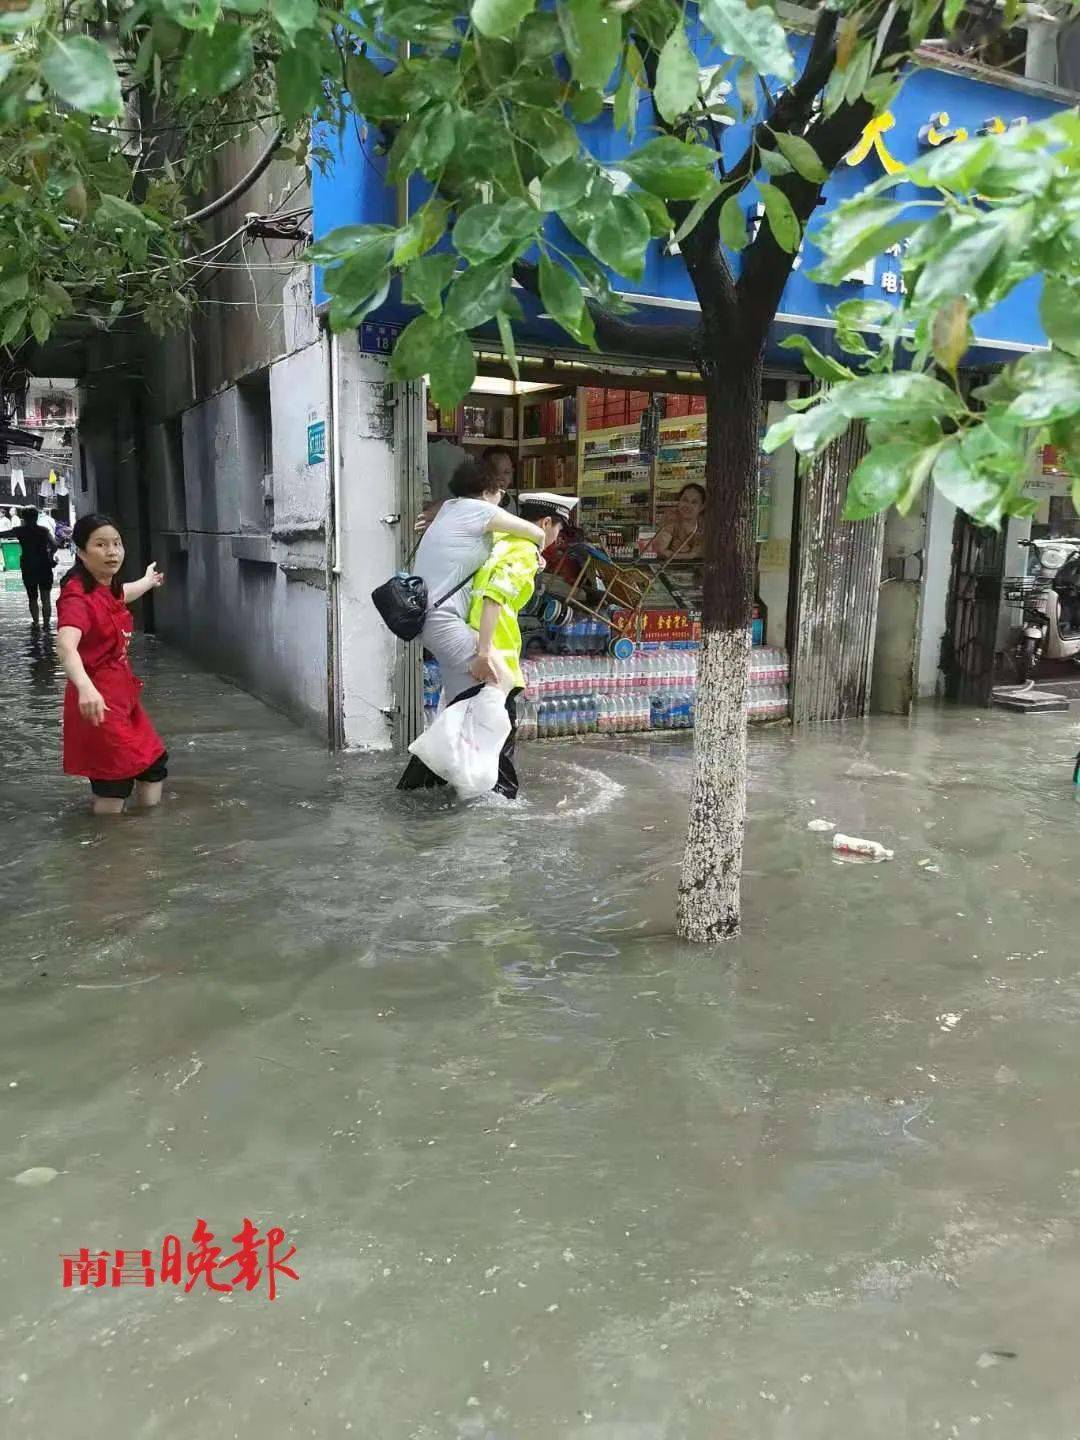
198, 443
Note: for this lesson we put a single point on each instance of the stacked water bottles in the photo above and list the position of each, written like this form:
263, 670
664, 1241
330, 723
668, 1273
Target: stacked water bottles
592, 693
595, 694
769, 675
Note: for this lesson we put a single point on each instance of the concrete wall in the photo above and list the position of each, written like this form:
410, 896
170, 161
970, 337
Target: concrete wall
249, 597
368, 543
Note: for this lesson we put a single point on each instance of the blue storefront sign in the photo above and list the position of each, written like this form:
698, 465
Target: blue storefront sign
934, 107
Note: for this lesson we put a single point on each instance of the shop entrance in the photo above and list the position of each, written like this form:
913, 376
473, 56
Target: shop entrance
973, 611
632, 450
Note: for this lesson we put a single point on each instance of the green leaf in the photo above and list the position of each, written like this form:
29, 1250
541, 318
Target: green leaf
114, 210
697, 212
359, 277
425, 227
969, 490
733, 230
40, 323
755, 35
896, 397
676, 88
956, 265
879, 479
823, 366
1051, 390
671, 169
299, 84
506, 335
563, 300
626, 104
854, 233
425, 280
14, 20
858, 72
783, 222
373, 94
950, 333
957, 166
951, 13
779, 433
917, 477
586, 105
13, 324
499, 17
565, 184
60, 301
1059, 311
294, 16
593, 36
484, 231
620, 236
819, 427
348, 240
476, 294
415, 348
772, 162
552, 135
802, 156
540, 38
80, 71
656, 212
453, 370
216, 63
14, 287
746, 88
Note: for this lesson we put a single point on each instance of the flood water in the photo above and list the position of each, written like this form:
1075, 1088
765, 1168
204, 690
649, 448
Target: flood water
549, 1173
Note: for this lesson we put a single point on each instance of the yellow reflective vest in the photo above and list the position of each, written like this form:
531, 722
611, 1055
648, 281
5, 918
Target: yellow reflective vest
508, 577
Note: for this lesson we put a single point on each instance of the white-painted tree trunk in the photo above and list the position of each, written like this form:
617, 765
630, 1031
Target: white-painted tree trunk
709, 909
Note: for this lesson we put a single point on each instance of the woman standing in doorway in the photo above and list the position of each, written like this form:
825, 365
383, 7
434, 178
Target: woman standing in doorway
36, 559
108, 736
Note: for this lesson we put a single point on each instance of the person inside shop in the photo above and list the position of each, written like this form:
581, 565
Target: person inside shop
108, 736
680, 537
500, 465
37, 556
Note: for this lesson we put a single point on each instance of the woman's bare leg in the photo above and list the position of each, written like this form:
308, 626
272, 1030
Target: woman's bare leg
46, 603
147, 793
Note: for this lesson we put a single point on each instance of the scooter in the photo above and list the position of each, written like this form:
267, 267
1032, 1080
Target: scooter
1049, 599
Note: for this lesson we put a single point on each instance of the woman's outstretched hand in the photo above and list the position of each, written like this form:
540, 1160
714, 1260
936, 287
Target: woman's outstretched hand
153, 575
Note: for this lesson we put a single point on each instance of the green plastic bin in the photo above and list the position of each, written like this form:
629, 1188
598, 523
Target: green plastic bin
11, 549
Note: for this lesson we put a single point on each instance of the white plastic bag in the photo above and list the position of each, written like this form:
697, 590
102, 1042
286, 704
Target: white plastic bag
464, 742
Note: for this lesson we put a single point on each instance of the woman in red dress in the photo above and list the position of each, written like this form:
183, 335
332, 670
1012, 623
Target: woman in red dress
108, 736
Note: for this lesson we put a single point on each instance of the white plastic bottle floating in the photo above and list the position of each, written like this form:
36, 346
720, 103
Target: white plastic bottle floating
851, 845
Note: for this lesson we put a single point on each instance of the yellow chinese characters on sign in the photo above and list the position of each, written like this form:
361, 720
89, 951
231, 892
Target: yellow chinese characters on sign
937, 131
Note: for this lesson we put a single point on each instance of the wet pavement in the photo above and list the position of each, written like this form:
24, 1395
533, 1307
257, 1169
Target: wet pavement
548, 1172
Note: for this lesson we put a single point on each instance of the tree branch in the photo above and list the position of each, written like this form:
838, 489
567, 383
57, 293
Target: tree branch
766, 265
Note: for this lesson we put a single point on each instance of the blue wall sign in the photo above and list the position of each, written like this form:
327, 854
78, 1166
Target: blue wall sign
316, 442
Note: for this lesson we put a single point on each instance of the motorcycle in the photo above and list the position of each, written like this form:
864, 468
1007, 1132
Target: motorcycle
1048, 597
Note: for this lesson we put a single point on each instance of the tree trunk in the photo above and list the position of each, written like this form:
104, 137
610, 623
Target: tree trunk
709, 909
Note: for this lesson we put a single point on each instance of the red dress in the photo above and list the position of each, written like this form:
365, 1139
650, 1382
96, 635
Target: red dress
125, 743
